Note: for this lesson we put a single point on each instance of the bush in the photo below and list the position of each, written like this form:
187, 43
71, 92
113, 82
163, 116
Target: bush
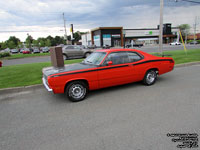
4, 54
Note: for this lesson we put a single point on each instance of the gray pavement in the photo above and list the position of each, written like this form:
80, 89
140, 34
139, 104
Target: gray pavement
28, 60
128, 117
148, 49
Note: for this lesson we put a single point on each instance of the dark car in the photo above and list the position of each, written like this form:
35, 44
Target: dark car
13, 51
45, 49
133, 45
75, 51
106, 46
36, 50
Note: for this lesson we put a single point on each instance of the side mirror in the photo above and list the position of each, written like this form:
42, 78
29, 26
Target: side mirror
109, 63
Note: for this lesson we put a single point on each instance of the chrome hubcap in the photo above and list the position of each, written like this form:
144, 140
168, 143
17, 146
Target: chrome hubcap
77, 91
151, 77
87, 54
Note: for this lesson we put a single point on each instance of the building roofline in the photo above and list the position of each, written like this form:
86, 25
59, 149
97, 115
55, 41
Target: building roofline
144, 29
100, 28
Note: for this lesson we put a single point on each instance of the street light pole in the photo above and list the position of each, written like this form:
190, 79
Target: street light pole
65, 36
195, 25
161, 28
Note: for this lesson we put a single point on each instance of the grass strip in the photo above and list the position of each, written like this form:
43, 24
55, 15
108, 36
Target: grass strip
26, 74
17, 56
31, 74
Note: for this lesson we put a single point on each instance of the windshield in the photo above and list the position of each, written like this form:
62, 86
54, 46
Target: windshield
95, 58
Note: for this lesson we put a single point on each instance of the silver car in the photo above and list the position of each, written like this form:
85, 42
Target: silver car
75, 51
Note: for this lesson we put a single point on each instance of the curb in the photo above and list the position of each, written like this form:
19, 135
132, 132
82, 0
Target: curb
187, 64
37, 86
20, 89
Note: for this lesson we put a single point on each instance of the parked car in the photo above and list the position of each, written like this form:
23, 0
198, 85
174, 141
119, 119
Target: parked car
106, 46
22, 49
7, 50
26, 51
175, 43
45, 49
133, 45
75, 51
36, 50
91, 46
105, 68
82, 46
13, 51
194, 43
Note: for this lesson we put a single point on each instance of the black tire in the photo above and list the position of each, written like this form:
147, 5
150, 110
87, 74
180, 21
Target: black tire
76, 91
65, 57
87, 54
150, 77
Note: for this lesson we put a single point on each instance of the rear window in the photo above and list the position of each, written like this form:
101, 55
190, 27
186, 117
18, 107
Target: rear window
133, 57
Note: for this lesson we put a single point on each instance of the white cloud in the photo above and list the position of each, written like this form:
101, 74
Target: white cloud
41, 18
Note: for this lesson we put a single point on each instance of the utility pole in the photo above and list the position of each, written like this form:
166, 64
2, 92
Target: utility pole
161, 28
65, 35
195, 26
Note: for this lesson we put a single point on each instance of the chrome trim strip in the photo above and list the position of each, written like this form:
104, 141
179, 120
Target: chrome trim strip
46, 86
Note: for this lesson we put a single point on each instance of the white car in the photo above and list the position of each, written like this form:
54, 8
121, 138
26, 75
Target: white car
175, 43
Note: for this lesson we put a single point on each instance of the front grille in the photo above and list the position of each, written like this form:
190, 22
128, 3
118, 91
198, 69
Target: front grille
45, 77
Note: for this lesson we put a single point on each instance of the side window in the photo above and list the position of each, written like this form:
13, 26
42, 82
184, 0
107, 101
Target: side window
77, 47
133, 56
69, 47
117, 58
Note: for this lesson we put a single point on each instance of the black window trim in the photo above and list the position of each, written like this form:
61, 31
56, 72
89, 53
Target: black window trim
140, 55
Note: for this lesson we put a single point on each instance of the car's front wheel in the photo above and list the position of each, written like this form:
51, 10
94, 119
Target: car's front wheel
150, 77
76, 91
87, 54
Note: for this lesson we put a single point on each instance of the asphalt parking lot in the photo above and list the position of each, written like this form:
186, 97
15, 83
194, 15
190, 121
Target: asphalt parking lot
128, 117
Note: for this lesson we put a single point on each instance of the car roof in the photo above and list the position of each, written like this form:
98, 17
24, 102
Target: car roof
117, 50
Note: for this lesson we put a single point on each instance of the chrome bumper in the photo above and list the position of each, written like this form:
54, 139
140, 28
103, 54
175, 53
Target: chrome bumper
46, 86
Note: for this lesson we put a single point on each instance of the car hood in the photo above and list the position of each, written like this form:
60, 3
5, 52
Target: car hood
67, 68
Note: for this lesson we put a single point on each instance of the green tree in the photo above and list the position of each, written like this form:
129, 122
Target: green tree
52, 40
3, 45
35, 43
77, 36
14, 40
20, 45
48, 43
29, 41
11, 44
41, 42
184, 28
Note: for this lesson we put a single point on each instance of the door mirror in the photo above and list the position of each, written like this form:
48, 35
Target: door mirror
109, 63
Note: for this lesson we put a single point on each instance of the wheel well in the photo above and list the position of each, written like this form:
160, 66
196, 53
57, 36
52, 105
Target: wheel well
83, 80
155, 69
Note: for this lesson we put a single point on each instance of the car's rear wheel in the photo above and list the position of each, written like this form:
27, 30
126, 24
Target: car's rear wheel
76, 91
150, 77
65, 57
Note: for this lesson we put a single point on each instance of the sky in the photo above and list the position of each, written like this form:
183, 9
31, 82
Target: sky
40, 18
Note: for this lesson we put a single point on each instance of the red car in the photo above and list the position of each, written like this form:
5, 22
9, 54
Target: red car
27, 51
105, 68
